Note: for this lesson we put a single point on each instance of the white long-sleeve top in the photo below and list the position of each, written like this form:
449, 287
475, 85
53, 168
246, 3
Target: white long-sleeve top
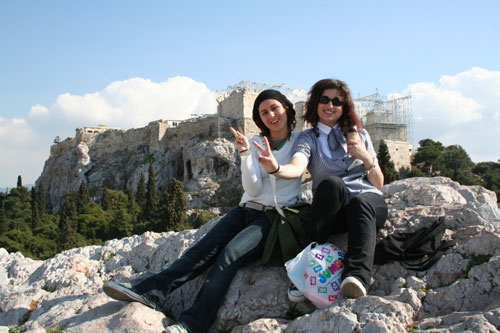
256, 181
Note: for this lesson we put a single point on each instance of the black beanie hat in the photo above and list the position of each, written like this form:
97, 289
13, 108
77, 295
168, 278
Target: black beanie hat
271, 94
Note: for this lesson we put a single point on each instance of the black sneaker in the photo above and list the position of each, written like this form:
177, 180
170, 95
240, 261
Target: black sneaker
125, 292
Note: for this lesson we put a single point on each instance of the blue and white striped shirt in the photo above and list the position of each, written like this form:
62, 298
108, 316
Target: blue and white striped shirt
323, 163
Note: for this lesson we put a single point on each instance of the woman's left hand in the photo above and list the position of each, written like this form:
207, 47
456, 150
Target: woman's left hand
357, 149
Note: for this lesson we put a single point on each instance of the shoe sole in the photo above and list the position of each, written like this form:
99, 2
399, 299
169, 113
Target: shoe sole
120, 293
296, 299
351, 290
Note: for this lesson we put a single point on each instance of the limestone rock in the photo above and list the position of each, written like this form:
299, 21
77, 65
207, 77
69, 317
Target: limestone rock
461, 292
115, 158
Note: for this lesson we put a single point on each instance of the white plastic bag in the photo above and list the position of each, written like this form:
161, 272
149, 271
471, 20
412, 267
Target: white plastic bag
317, 273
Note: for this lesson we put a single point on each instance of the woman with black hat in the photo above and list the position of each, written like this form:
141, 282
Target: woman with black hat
240, 236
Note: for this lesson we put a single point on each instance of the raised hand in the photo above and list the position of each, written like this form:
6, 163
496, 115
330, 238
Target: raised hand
356, 147
266, 157
240, 142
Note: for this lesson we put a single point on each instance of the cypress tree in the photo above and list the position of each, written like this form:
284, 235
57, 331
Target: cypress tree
36, 221
19, 181
83, 197
106, 201
3, 219
40, 198
141, 192
386, 164
67, 225
132, 208
151, 195
173, 208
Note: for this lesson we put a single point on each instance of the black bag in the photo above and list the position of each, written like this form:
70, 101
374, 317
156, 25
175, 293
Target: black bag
424, 247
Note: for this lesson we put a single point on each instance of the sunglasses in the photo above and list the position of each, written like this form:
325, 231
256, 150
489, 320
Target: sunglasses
335, 101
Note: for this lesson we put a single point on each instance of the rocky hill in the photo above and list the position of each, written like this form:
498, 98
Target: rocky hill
199, 153
460, 293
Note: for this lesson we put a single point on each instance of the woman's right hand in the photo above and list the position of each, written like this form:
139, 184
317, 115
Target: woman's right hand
266, 157
240, 142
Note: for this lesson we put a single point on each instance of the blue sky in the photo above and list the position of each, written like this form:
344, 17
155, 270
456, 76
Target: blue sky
81, 63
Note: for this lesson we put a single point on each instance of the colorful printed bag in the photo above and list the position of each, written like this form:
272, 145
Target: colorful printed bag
317, 273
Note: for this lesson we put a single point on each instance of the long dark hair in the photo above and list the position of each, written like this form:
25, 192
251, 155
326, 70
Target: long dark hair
276, 95
349, 117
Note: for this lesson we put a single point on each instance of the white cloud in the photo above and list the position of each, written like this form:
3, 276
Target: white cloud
132, 103
437, 104
136, 102
38, 111
461, 109
14, 132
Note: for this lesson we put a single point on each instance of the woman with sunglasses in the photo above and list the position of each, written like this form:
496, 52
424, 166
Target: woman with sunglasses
346, 178
239, 237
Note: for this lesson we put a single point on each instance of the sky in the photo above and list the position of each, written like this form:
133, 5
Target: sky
123, 63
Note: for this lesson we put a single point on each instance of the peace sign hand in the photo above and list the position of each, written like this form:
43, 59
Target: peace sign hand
241, 141
266, 157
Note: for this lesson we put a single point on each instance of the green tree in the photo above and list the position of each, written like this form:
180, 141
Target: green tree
173, 208
429, 158
151, 195
458, 165
141, 192
489, 173
3, 219
18, 204
19, 181
83, 197
40, 198
121, 224
67, 225
36, 221
386, 164
132, 207
93, 222
107, 200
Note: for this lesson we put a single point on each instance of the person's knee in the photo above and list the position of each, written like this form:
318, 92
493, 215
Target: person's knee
331, 186
359, 202
372, 205
361, 210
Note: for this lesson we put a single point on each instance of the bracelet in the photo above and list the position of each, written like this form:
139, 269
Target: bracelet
275, 170
367, 171
244, 150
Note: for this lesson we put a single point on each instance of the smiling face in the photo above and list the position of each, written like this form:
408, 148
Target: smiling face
273, 115
330, 114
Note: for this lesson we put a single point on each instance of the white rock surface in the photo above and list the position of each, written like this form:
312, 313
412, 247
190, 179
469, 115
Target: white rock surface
461, 292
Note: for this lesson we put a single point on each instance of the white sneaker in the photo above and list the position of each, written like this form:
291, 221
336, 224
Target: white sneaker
351, 287
176, 328
295, 295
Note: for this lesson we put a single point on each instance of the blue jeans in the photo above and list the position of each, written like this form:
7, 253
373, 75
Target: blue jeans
237, 239
332, 213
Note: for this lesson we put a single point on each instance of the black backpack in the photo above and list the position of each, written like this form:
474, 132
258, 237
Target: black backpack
418, 250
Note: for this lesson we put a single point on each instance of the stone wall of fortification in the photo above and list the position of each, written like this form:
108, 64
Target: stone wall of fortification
400, 153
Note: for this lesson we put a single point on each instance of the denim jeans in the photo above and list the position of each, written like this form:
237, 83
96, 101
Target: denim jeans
237, 239
332, 213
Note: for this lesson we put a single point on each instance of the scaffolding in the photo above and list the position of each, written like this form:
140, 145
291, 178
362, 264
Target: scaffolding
260, 86
383, 112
